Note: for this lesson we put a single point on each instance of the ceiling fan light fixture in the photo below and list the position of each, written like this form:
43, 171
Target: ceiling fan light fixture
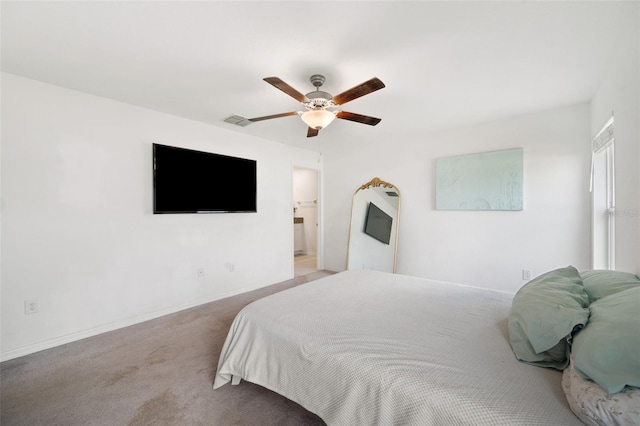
318, 118
319, 103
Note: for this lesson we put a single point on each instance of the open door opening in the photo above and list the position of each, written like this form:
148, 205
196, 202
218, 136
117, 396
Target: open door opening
305, 221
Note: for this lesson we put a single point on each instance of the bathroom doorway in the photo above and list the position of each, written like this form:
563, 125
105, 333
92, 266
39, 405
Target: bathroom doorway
305, 221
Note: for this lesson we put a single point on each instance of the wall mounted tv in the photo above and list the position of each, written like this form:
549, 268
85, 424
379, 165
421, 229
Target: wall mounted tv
378, 224
188, 181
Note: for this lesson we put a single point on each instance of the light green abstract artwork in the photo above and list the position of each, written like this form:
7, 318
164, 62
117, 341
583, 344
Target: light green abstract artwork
480, 181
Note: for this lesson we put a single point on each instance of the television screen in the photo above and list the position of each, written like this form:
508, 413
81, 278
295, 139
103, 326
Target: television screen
378, 224
188, 181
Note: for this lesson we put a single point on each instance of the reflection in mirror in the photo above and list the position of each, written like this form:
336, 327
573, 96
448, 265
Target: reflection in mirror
373, 234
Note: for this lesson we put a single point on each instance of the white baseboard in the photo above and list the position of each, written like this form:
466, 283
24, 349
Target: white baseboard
73, 337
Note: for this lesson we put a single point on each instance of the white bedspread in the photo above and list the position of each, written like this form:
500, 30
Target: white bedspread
372, 348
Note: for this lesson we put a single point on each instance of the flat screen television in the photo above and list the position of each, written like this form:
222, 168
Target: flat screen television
188, 181
378, 224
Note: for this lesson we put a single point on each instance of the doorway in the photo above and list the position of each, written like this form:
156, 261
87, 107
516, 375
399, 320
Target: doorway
305, 221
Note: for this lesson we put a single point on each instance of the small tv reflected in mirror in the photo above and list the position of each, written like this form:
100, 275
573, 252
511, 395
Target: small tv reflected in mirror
378, 224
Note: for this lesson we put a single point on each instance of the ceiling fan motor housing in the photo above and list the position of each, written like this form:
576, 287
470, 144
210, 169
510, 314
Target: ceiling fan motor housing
318, 99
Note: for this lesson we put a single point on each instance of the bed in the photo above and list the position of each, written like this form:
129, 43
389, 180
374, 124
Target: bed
363, 347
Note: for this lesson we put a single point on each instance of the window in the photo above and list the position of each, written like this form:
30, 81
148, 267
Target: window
603, 198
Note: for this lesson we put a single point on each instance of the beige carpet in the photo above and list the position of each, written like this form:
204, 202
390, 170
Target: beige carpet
159, 372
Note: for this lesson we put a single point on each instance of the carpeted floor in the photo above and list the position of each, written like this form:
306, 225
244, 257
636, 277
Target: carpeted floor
159, 372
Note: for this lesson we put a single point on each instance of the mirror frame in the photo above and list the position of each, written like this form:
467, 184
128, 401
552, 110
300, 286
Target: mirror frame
376, 183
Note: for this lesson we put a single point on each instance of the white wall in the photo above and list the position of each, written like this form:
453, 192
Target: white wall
481, 248
78, 233
619, 93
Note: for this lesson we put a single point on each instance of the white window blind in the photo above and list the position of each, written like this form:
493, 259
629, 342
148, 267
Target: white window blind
601, 141
604, 137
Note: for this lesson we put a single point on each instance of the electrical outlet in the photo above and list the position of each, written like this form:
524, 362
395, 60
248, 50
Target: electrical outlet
200, 272
526, 274
31, 306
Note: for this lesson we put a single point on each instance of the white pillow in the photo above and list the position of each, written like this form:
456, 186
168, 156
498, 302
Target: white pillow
594, 406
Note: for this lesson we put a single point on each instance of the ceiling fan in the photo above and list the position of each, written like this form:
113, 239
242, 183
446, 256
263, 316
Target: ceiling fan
319, 104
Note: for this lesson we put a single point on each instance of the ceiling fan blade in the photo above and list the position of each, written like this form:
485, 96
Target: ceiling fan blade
279, 84
311, 132
358, 118
269, 117
358, 91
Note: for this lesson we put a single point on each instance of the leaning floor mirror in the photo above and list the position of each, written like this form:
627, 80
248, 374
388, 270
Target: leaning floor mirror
373, 234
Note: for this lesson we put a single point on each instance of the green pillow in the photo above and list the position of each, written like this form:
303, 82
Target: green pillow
544, 313
607, 350
600, 282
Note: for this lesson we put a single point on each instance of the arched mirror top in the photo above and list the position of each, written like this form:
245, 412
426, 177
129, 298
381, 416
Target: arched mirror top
373, 232
377, 183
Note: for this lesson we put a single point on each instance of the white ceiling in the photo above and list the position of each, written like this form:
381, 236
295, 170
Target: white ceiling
445, 64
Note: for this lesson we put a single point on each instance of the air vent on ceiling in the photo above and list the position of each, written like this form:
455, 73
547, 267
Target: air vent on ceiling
237, 120
391, 193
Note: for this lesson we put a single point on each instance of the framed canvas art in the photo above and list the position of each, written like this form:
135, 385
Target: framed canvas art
480, 181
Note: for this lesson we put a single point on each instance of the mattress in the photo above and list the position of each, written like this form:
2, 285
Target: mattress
368, 347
